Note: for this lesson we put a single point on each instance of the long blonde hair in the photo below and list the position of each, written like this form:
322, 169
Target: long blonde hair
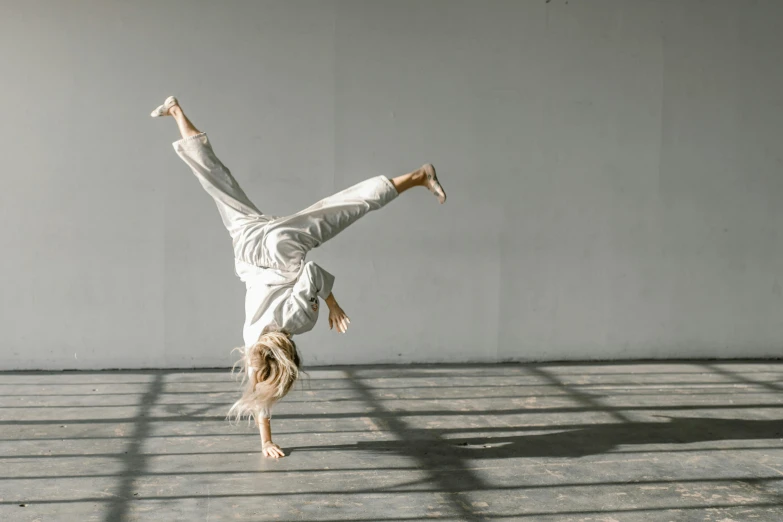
270, 367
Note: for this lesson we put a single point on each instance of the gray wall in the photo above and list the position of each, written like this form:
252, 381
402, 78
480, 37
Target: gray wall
613, 166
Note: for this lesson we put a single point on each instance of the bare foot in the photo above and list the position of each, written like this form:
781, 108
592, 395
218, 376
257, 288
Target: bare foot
432, 183
165, 109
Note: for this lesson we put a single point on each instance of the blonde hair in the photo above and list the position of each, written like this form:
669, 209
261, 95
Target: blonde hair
270, 367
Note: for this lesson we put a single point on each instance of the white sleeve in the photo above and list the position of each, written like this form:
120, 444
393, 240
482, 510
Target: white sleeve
314, 282
320, 281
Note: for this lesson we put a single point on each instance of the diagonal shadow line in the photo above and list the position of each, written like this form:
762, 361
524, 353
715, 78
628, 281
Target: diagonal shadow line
775, 504
759, 484
395, 488
614, 410
535, 385
134, 460
456, 482
623, 451
636, 391
581, 397
741, 378
420, 370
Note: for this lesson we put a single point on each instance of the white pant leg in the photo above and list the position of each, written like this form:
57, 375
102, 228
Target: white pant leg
288, 239
240, 216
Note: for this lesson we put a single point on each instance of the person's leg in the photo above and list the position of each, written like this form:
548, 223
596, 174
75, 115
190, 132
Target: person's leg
238, 213
186, 128
290, 238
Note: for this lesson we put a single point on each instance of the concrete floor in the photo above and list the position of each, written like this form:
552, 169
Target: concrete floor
562, 442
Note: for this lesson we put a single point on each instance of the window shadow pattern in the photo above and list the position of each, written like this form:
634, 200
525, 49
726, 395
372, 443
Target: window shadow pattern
445, 456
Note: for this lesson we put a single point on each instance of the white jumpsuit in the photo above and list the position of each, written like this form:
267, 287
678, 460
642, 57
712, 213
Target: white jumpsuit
269, 252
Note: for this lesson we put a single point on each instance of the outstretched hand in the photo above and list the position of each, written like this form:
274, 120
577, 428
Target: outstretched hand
337, 318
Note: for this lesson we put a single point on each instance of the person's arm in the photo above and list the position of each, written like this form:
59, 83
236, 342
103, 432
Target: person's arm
337, 317
269, 448
300, 312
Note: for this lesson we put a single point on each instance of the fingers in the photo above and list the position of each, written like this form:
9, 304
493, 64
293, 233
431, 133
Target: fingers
342, 324
339, 321
273, 451
276, 453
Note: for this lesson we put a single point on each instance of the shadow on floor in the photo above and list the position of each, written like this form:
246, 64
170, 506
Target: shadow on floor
582, 442
446, 460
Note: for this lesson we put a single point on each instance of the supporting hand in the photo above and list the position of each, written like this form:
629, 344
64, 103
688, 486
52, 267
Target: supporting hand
268, 448
272, 450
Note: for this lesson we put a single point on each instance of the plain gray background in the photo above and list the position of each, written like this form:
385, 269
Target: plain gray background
613, 169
